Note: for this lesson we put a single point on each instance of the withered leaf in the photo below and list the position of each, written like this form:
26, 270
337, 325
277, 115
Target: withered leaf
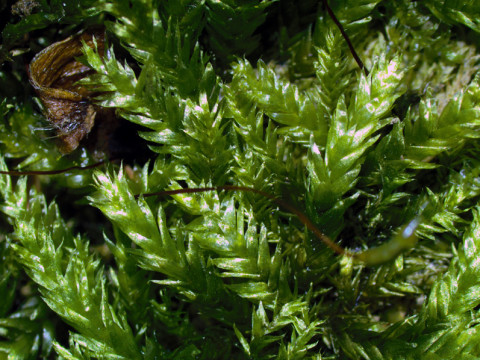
53, 73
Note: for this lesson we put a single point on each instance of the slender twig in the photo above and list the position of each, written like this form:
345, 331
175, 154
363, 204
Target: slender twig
51, 172
347, 39
282, 203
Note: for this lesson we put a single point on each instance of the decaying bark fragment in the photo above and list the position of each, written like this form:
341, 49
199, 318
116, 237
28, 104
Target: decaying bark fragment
53, 73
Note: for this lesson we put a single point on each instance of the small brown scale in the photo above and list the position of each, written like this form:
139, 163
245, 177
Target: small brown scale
53, 73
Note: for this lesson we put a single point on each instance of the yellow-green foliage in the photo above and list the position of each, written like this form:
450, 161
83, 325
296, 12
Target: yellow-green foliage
260, 94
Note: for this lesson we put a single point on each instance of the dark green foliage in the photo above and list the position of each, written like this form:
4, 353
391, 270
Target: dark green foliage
267, 95
231, 26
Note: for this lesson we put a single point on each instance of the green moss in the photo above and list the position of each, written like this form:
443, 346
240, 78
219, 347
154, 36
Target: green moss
259, 94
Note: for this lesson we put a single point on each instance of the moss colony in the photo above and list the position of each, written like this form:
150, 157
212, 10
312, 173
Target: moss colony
383, 159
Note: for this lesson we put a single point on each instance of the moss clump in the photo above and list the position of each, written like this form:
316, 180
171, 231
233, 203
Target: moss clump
259, 94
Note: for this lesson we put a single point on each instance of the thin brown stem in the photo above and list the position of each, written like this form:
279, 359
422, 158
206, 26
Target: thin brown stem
51, 172
282, 203
347, 39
